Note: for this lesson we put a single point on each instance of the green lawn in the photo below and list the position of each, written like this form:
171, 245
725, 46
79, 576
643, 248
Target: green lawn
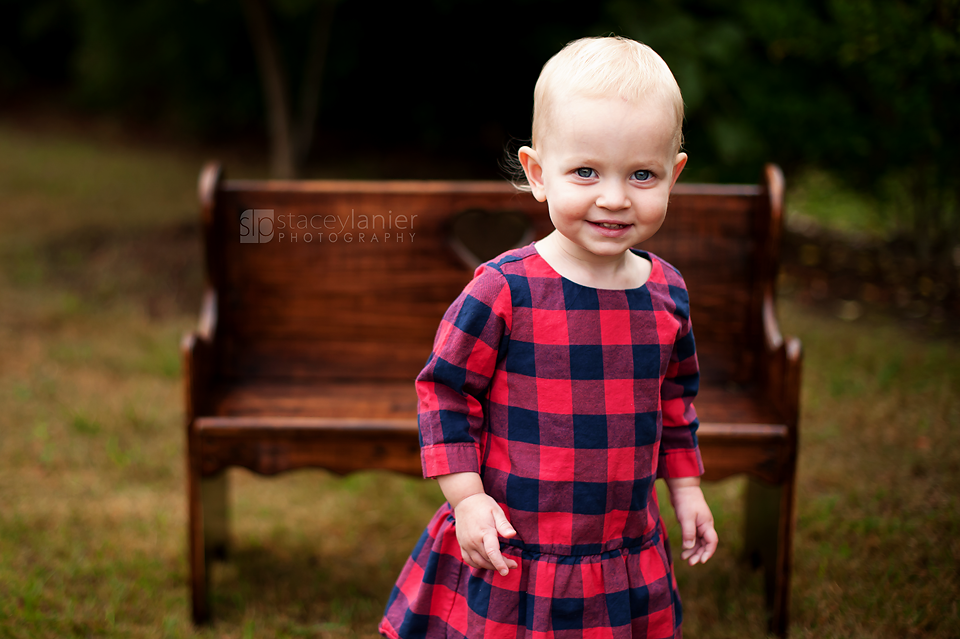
100, 275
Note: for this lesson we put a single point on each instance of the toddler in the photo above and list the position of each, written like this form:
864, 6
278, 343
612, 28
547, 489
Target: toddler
561, 384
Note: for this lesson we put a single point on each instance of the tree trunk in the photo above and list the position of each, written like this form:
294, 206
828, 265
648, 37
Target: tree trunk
290, 135
312, 82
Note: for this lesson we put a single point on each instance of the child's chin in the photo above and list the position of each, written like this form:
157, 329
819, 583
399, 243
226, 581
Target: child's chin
611, 246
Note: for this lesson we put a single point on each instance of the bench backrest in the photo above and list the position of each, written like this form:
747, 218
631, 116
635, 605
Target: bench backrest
343, 279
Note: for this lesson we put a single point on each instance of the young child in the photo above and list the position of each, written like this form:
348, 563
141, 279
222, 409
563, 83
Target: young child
561, 386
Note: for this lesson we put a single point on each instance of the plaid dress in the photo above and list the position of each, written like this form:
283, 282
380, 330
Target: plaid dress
569, 401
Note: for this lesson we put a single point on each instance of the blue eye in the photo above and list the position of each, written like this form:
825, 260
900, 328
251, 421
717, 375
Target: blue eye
642, 175
585, 172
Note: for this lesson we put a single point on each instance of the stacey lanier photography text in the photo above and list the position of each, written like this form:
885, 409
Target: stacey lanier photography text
259, 226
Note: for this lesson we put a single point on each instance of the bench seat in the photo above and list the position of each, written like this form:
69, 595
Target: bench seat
738, 428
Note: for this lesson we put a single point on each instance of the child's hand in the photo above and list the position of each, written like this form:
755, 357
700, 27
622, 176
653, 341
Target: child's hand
479, 519
696, 521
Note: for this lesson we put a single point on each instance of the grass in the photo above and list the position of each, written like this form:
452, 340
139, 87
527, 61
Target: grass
815, 196
100, 274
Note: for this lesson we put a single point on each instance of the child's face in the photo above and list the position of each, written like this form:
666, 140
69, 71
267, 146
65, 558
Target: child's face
605, 167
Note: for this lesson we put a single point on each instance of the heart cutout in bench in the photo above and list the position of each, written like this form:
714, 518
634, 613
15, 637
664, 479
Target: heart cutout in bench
478, 235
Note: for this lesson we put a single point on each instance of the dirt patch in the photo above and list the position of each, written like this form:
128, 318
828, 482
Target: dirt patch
158, 269
852, 276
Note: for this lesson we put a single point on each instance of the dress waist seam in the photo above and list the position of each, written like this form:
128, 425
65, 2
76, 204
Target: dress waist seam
630, 545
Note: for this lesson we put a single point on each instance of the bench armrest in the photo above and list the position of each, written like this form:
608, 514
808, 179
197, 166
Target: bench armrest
781, 356
196, 351
782, 361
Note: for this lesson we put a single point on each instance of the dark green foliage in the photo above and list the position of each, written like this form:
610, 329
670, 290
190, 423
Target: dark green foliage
36, 42
866, 89
167, 59
188, 62
863, 89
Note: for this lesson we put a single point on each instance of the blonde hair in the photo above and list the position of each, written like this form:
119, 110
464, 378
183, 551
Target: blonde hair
605, 67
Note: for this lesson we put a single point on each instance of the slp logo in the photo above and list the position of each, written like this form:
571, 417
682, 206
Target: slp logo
256, 226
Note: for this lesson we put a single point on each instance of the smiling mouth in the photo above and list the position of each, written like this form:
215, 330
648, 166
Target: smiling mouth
610, 225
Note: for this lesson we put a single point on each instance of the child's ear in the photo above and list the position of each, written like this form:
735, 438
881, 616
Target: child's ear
678, 165
530, 162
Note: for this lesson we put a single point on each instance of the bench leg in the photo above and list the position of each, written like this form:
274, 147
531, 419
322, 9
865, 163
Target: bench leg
207, 498
213, 493
768, 541
195, 545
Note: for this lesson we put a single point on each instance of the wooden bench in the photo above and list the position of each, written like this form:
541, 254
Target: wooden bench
323, 298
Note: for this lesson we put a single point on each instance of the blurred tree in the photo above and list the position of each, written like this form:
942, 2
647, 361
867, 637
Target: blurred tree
401, 79
291, 132
865, 89
43, 37
186, 63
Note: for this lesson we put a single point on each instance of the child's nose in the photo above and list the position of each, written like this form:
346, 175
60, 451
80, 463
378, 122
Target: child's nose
613, 197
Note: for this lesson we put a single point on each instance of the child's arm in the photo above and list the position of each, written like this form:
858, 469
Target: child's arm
680, 463
452, 389
479, 520
696, 521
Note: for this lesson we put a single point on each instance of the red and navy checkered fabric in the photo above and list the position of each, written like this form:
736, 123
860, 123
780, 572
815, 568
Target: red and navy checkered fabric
569, 401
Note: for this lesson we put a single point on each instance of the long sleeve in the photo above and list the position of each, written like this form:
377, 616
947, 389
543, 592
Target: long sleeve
453, 385
679, 452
